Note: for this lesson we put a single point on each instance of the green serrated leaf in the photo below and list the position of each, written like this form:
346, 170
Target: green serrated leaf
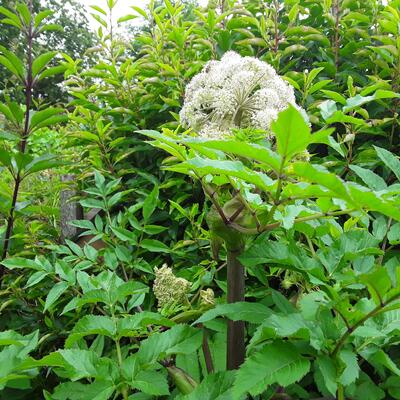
217, 386
92, 325
372, 180
55, 293
181, 339
351, 370
150, 203
151, 382
389, 159
98, 390
327, 369
240, 311
277, 362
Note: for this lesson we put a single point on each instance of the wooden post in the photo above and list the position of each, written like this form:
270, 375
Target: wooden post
70, 209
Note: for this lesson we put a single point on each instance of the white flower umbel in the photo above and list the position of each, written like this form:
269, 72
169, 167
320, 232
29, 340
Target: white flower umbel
236, 92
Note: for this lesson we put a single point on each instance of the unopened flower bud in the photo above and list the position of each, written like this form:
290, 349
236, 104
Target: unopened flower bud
207, 297
303, 156
184, 382
349, 137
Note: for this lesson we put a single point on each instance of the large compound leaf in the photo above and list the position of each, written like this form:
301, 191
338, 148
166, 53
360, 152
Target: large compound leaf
92, 325
151, 382
240, 311
293, 135
322, 177
252, 151
181, 339
355, 195
233, 169
98, 390
216, 386
277, 362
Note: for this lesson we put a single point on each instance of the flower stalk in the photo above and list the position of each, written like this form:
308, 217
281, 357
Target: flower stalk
236, 349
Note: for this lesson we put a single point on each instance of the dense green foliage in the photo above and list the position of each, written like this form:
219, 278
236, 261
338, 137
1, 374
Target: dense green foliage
80, 319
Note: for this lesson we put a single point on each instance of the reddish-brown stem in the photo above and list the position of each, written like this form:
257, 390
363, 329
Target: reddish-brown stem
207, 353
10, 222
236, 349
233, 217
212, 195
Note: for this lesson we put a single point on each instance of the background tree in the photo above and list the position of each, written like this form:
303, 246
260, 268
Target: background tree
74, 39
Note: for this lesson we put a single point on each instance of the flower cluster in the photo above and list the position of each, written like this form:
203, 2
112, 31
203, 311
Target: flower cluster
236, 92
169, 289
207, 298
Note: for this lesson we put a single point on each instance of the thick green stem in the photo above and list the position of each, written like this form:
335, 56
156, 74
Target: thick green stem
234, 243
236, 349
124, 389
340, 392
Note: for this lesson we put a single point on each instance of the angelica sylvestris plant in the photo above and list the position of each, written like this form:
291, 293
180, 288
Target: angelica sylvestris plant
248, 147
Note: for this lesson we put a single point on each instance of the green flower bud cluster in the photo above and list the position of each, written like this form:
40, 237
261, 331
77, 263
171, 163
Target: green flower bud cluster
303, 156
168, 289
207, 298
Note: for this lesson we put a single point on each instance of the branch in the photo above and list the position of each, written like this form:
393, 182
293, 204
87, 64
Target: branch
383, 248
232, 218
280, 177
269, 227
211, 194
343, 318
377, 310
